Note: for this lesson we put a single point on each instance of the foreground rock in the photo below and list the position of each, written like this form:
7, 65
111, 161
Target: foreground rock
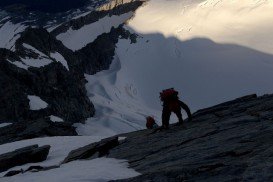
34, 129
229, 142
97, 149
30, 154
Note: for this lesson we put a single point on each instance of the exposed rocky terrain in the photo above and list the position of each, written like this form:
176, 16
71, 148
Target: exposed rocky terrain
30, 68
30, 154
228, 142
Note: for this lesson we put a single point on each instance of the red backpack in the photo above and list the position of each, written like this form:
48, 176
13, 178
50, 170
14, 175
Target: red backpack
168, 94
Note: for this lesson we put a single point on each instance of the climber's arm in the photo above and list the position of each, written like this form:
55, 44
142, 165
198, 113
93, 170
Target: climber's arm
186, 108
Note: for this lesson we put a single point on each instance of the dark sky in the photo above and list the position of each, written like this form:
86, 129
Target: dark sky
46, 5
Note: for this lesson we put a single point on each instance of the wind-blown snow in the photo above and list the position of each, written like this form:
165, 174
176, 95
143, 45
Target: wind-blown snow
77, 39
36, 103
5, 124
9, 33
59, 58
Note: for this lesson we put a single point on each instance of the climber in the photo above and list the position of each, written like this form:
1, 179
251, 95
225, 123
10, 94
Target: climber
150, 123
171, 103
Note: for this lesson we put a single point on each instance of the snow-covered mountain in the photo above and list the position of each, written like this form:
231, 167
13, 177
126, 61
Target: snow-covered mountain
211, 51
129, 50
97, 70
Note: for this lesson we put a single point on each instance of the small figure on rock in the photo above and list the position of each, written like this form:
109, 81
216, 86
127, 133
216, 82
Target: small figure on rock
171, 103
150, 123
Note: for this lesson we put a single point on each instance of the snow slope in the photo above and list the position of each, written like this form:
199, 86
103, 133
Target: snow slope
96, 170
9, 33
101, 169
210, 51
118, 108
77, 39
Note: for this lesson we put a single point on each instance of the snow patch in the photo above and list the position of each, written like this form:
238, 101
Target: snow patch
81, 15
42, 60
56, 119
59, 58
36, 103
19, 64
97, 170
9, 33
29, 47
5, 124
77, 39
60, 147
37, 63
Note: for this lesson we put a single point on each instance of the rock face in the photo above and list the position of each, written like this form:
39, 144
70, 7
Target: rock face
33, 129
61, 86
101, 148
228, 142
30, 154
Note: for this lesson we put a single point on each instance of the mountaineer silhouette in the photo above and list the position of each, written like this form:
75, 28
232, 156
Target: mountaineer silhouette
171, 103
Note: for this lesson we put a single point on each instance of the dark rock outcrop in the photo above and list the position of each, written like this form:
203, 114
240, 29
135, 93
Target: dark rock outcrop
99, 149
63, 89
33, 129
30, 169
30, 154
228, 142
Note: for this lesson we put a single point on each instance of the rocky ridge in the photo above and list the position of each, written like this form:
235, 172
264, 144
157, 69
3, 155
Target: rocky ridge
62, 88
228, 142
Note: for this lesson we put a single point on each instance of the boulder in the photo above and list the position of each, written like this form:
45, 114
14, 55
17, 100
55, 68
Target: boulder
30, 154
101, 148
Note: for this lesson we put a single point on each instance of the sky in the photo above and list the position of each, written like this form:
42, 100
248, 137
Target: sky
51, 6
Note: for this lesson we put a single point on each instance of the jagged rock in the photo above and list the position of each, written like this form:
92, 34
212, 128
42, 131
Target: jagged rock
101, 148
34, 129
13, 173
30, 154
30, 169
231, 141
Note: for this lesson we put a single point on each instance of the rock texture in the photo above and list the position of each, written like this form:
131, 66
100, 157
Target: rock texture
228, 142
30, 154
63, 89
34, 129
99, 149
